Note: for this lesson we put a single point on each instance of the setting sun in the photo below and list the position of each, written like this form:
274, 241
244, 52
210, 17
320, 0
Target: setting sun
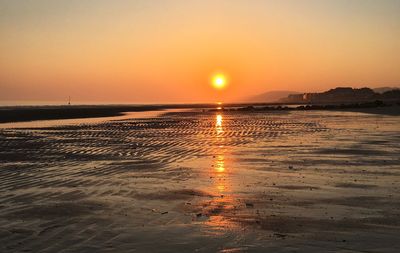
201, 125
219, 81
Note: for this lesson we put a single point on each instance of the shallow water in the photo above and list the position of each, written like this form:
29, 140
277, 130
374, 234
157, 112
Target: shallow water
208, 182
81, 121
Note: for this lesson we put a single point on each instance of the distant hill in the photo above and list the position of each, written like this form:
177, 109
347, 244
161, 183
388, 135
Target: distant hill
343, 95
270, 96
384, 89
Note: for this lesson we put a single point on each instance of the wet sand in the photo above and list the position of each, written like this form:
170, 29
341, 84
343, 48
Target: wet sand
285, 181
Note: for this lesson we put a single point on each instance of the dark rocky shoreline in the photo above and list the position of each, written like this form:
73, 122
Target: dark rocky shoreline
392, 108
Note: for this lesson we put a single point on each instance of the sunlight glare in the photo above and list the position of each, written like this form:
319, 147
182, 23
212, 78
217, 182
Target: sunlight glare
219, 81
219, 121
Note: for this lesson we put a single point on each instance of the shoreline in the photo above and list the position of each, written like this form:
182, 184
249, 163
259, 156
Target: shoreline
33, 113
14, 114
377, 107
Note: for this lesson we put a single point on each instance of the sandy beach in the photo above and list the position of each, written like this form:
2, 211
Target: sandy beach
295, 181
200, 126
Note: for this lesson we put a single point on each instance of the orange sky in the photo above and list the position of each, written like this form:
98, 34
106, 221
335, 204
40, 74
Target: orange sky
166, 51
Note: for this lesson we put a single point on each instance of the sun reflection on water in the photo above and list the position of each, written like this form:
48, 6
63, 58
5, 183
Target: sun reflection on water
220, 164
218, 122
218, 125
223, 203
220, 174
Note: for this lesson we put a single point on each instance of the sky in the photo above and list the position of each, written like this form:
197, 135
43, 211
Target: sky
167, 51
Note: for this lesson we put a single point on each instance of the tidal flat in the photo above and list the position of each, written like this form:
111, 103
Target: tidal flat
200, 181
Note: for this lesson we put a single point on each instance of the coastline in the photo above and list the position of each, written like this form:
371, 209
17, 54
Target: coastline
12, 114
32, 113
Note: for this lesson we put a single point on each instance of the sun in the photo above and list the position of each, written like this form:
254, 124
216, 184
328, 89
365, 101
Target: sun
219, 81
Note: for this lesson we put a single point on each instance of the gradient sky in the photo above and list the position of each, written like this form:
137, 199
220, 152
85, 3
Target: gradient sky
165, 51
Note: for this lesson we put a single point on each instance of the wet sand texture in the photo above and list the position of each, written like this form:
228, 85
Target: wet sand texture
183, 182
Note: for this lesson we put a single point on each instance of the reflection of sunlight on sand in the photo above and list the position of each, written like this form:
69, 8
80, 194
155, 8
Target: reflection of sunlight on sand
219, 174
218, 125
222, 205
220, 164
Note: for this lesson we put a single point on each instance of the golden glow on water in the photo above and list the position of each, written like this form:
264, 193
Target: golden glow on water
220, 161
220, 175
218, 126
221, 188
218, 123
221, 207
220, 164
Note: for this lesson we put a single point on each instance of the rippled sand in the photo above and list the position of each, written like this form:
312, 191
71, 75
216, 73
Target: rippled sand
207, 182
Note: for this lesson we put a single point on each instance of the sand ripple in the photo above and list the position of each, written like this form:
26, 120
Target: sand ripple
188, 181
